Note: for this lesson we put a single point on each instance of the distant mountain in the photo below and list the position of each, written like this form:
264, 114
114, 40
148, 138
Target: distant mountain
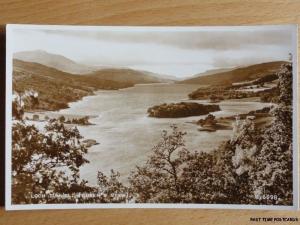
241, 74
55, 61
28, 70
67, 65
168, 78
125, 75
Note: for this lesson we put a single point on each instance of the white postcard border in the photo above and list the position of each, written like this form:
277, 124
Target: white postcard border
8, 121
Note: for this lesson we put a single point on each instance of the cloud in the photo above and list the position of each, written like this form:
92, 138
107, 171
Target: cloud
215, 38
180, 52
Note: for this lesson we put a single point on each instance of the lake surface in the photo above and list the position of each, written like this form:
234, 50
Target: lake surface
126, 134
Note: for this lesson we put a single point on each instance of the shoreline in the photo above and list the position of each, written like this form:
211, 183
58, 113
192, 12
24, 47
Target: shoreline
57, 113
261, 118
94, 93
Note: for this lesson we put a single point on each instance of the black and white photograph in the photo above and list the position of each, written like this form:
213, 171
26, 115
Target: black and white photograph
175, 117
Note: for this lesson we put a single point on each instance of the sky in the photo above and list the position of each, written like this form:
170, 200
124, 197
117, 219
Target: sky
180, 52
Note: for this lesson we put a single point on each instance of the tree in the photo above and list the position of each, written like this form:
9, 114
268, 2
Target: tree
159, 179
245, 140
36, 117
204, 182
44, 163
111, 190
23, 100
62, 119
274, 164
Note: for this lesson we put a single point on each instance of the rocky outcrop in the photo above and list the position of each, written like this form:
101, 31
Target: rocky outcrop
182, 109
89, 142
208, 121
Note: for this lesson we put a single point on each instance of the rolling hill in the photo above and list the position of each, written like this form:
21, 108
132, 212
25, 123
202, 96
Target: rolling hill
125, 75
57, 88
235, 75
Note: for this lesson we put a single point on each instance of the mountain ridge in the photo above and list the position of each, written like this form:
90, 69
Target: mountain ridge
67, 65
56, 61
236, 75
210, 72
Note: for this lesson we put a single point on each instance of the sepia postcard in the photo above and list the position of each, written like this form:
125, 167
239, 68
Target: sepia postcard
151, 117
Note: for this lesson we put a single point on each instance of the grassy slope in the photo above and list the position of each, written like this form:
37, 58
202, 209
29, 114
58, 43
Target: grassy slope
237, 75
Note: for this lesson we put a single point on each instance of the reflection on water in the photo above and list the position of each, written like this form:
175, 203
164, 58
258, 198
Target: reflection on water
125, 133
